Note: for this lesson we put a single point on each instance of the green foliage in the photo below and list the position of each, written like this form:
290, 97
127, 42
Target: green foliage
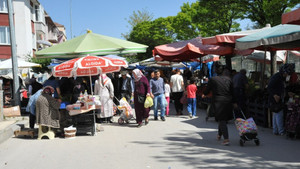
264, 12
44, 62
136, 18
152, 33
217, 17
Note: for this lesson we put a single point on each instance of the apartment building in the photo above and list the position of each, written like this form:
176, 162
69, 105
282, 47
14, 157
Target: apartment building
34, 29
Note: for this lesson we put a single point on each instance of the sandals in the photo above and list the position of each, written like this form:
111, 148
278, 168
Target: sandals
146, 121
225, 142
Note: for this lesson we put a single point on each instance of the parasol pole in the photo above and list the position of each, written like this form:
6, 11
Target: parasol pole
91, 82
263, 71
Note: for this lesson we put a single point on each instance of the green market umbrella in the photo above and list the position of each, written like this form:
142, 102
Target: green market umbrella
91, 44
280, 37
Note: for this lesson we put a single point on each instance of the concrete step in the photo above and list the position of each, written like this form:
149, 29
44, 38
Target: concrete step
10, 125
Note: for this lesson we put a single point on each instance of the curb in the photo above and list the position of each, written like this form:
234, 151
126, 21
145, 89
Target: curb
8, 132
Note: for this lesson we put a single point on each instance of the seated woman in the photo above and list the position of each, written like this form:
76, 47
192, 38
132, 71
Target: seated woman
47, 109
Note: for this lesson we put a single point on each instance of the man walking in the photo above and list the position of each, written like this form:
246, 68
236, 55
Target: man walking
177, 86
126, 86
157, 90
240, 85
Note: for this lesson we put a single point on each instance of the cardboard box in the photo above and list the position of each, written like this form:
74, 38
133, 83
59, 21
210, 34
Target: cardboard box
12, 111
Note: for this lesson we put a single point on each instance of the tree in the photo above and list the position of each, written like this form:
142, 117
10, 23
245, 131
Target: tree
136, 18
44, 62
183, 24
153, 33
264, 12
214, 17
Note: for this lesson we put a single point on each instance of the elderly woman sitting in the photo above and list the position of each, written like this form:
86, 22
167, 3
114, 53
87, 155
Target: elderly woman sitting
47, 109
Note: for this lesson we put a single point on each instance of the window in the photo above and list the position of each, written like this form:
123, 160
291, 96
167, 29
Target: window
4, 35
37, 13
3, 5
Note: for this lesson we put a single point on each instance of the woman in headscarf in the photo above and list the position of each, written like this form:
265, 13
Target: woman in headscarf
142, 88
105, 89
47, 108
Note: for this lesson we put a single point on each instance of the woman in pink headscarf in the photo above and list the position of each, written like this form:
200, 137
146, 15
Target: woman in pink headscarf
141, 90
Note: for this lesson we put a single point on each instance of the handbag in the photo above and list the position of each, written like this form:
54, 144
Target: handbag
276, 107
141, 98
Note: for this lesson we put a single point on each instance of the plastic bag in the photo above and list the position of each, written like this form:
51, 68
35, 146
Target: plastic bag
148, 102
125, 106
164, 102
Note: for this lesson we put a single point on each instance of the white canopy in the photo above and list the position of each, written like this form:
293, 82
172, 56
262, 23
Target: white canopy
258, 56
7, 64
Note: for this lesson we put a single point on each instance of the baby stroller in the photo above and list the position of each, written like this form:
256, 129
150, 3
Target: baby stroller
247, 128
126, 111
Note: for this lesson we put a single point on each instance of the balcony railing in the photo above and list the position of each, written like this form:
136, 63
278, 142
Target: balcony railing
52, 37
40, 26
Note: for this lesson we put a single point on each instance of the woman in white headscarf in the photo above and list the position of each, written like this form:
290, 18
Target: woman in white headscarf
142, 88
105, 89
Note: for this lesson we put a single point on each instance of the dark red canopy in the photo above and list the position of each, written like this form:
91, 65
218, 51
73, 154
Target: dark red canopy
292, 17
189, 50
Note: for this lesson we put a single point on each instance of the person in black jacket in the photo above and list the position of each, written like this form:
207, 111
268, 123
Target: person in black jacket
221, 87
276, 97
126, 86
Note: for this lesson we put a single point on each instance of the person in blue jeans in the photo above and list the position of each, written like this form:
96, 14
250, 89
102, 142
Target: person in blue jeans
191, 90
276, 94
157, 89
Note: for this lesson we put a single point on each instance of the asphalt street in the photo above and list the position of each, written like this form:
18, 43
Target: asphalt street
177, 143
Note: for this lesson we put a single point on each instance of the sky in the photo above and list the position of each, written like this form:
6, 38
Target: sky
106, 17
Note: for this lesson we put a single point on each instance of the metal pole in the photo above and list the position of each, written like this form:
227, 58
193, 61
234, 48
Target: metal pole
71, 18
1, 105
14, 58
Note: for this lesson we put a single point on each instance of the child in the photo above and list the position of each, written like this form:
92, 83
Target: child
191, 90
167, 94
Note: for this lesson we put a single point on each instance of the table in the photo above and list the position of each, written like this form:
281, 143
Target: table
84, 119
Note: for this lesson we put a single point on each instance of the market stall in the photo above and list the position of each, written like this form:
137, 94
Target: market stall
83, 111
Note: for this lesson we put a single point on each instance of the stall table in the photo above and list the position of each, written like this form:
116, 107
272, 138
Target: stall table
84, 119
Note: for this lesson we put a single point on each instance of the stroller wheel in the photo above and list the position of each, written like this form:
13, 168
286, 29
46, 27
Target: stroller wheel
120, 121
241, 142
257, 142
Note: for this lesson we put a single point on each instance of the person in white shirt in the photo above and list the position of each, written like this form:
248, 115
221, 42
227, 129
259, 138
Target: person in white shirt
177, 86
167, 94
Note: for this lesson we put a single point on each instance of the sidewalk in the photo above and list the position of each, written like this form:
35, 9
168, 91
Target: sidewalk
11, 124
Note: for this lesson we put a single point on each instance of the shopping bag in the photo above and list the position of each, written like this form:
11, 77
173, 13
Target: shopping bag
183, 99
148, 102
127, 108
164, 102
245, 126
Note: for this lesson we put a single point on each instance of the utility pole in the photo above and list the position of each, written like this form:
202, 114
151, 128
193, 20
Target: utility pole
14, 58
71, 18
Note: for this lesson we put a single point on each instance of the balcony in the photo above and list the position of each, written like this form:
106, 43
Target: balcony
40, 27
53, 37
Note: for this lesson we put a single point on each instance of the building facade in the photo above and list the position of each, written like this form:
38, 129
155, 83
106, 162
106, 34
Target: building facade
34, 29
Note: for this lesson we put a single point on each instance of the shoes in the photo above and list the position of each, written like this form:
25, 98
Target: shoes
163, 118
190, 116
193, 117
282, 134
155, 118
218, 137
146, 121
225, 142
139, 125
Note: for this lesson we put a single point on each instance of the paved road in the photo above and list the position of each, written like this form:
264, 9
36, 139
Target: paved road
177, 143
